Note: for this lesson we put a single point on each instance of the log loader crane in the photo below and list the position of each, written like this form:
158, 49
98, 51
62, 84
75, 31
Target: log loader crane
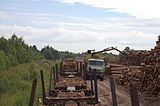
96, 62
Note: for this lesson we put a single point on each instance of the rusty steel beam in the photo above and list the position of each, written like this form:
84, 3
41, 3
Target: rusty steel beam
34, 85
63, 100
43, 87
113, 91
134, 95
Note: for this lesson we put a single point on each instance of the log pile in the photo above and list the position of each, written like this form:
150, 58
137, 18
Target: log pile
69, 64
71, 82
130, 75
135, 57
117, 71
147, 76
113, 60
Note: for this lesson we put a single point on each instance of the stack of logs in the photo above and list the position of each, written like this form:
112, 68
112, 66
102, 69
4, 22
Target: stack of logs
135, 57
69, 64
71, 81
147, 76
113, 60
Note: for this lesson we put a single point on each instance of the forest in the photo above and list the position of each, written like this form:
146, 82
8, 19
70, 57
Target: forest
14, 51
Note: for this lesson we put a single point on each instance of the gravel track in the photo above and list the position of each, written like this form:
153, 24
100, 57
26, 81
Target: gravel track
123, 96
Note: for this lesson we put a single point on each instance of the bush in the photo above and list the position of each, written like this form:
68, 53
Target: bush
32, 72
2, 60
4, 82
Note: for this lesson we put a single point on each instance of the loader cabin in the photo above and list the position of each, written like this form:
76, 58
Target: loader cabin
95, 62
98, 65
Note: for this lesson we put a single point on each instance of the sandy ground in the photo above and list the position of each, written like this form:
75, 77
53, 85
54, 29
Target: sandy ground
123, 96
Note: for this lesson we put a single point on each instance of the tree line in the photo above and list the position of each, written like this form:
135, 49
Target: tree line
14, 51
50, 53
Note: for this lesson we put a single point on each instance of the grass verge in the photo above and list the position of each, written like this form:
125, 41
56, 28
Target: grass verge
16, 82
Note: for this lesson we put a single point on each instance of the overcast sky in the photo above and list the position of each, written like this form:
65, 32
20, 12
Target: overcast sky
78, 25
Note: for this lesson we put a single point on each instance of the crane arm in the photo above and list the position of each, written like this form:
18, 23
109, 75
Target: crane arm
109, 49
104, 50
113, 48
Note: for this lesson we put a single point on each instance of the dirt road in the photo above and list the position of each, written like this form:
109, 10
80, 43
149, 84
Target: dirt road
123, 96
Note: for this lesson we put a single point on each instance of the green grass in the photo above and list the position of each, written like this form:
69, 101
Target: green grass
16, 82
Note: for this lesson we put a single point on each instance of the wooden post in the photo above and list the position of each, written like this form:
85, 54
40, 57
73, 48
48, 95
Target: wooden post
77, 66
84, 73
61, 67
78, 104
91, 76
56, 71
43, 88
134, 96
50, 82
95, 85
81, 67
34, 85
91, 84
54, 76
113, 91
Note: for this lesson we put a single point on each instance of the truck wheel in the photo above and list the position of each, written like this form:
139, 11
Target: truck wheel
101, 79
87, 77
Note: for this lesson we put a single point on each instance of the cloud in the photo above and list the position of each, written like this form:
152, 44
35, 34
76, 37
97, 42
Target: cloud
49, 35
112, 24
137, 8
3, 15
38, 0
10, 8
107, 24
89, 39
79, 33
31, 18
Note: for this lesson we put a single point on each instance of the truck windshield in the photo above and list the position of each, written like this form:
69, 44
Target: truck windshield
96, 63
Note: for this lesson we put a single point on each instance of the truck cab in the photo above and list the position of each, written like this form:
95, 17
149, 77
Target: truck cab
97, 65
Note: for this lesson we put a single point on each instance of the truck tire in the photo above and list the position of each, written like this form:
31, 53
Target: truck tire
87, 77
101, 79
